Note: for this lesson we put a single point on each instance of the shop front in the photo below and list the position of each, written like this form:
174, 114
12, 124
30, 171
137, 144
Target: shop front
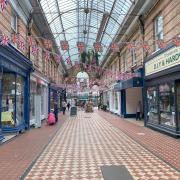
56, 95
14, 90
162, 90
130, 94
106, 96
115, 100
38, 98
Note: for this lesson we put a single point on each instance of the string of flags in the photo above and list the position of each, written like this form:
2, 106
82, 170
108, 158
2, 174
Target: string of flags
4, 4
5, 40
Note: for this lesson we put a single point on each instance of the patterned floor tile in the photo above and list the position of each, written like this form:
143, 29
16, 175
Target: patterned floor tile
83, 145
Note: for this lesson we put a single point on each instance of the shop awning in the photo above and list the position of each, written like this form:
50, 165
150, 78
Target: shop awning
130, 83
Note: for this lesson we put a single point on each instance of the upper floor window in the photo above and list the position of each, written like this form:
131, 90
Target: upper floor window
14, 22
124, 61
158, 30
133, 55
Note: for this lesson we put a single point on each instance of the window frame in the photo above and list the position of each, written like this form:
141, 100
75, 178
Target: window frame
14, 15
158, 33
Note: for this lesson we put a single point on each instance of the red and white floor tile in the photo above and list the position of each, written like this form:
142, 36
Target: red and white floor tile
87, 142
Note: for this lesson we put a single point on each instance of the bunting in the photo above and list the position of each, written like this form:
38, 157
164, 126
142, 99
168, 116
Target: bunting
68, 60
30, 41
97, 47
131, 46
176, 41
161, 44
47, 55
14, 38
48, 43
3, 4
64, 45
21, 45
145, 46
34, 50
114, 47
81, 46
5, 40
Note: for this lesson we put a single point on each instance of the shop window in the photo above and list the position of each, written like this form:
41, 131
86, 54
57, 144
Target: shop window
12, 100
178, 102
32, 100
167, 104
152, 103
42, 100
8, 100
19, 99
158, 30
116, 100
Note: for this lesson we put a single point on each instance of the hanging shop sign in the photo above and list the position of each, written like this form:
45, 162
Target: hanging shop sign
168, 59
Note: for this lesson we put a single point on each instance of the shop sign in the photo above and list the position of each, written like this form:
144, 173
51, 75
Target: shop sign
163, 61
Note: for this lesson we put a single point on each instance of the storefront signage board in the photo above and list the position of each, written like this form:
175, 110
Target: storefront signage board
164, 61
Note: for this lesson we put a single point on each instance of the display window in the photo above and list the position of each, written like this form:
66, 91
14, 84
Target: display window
12, 100
178, 101
32, 99
161, 104
116, 100
152, 100
42, 99
167, 104
20, 84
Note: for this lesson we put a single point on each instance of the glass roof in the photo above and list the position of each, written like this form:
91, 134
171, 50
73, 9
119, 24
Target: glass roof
85, 21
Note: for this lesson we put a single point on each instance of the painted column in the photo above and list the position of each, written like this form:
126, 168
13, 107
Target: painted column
1, 136
27, 102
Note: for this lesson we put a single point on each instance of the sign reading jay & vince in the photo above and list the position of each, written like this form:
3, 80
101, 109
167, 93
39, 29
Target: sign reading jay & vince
166, 60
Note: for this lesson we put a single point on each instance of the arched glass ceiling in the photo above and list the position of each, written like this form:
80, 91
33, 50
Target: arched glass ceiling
86, 17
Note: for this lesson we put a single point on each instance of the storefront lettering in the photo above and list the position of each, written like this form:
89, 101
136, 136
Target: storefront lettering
163, 61
172, 58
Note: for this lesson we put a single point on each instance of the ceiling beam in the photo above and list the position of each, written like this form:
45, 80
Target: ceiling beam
60, 18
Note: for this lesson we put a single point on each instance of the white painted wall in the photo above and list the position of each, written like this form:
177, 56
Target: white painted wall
133, 95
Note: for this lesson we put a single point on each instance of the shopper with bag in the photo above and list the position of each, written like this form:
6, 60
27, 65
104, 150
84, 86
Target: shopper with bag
51, 118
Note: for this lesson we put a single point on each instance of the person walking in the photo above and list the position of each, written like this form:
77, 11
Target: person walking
56, 111
68, 105
64, 107
138, 111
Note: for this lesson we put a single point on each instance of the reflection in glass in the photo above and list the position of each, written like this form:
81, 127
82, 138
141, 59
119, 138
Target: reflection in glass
8, 100
32, 100
152, 100
19, 99
42, 99
116, 101
178, 102
167, 104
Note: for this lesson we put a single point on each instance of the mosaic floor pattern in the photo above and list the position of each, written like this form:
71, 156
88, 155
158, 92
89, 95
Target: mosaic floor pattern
87, 142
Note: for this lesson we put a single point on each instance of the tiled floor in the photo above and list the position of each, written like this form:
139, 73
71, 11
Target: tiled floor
17, 155
87, 142
163, 146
